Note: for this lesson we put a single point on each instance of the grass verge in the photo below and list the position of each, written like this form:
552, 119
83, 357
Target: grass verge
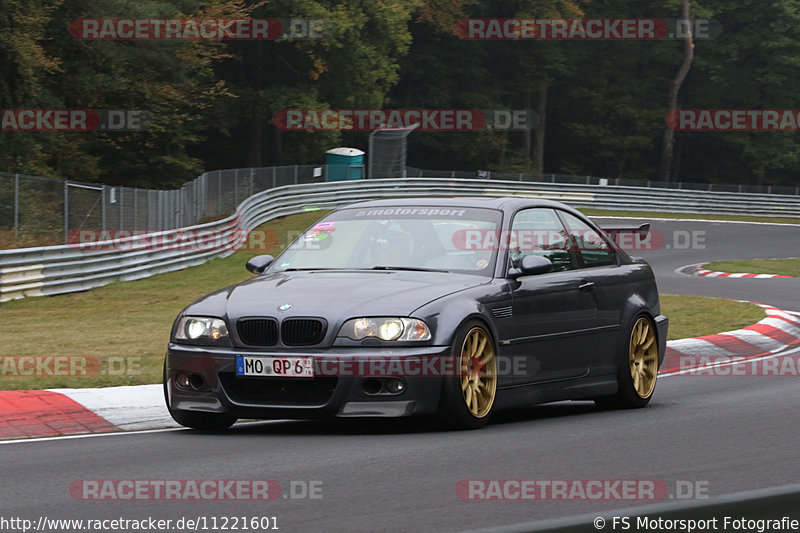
9, 240
782, 267
122, 329
695, 316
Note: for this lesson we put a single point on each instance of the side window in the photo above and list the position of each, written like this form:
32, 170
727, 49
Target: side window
538, 231
590, 246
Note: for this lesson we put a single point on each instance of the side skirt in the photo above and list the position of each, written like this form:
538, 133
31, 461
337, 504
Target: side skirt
586, 388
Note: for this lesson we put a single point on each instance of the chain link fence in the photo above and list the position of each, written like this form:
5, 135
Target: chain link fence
43, 211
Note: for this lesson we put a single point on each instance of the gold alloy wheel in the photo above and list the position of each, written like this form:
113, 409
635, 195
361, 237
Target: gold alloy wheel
478, 372
643, 358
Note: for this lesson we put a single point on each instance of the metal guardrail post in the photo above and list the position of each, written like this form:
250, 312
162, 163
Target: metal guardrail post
195, 201
369, 157
235, 188
295, 174
219, 194
66, 211
16, 204
103, 209
201, 213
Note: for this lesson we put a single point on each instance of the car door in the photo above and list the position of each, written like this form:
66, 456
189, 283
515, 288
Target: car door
554, 315
597, 260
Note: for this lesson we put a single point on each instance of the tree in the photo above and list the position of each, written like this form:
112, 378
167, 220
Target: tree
665, 172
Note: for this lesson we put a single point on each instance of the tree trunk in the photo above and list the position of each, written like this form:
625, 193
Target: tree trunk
539, 132
676, 159
665, 171
255, 134
528, 134
254, 64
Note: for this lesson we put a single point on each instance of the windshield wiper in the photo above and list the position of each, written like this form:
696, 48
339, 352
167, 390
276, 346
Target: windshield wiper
410, 268
379, 267
295, 269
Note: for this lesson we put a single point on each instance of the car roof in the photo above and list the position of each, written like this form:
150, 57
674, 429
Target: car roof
504, 203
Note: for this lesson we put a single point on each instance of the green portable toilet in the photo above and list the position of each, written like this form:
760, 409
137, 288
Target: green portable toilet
344, 164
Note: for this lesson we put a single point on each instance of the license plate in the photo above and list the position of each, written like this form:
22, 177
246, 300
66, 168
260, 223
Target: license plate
282, 367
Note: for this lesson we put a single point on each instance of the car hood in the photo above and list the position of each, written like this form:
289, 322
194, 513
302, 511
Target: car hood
333, 295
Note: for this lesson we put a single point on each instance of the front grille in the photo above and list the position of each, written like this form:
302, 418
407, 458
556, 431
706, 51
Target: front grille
278, 391
258, 331
302, 331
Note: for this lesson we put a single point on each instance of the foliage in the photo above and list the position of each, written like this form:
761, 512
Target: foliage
212, 102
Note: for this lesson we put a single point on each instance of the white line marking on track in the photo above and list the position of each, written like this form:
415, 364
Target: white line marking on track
138, 432
87, 435
696, 220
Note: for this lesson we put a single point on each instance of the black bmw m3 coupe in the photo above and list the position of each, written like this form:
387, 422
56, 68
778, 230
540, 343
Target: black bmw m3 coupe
454, 307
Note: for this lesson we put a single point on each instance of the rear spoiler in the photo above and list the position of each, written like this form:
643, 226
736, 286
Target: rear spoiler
642, 230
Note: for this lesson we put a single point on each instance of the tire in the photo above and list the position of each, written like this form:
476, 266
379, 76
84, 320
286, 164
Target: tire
638, 370
196, 419
467, 399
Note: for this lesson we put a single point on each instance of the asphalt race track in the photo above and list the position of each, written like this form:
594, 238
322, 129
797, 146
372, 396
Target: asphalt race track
717, 434
721, 241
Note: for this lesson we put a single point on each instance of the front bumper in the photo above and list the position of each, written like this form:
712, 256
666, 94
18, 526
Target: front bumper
332, 394
662, 325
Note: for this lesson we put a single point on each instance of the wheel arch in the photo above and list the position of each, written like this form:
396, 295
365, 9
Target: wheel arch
635, 306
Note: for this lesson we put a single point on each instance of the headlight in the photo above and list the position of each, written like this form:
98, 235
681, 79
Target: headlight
199, 328
386, 329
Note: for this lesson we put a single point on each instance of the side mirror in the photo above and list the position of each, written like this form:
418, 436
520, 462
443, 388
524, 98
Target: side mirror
531, 265
259, 263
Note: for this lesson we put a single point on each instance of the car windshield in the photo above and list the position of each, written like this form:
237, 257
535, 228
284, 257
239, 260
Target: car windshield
395, 238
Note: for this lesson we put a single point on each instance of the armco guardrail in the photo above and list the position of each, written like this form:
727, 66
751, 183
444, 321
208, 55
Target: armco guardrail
69, 268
